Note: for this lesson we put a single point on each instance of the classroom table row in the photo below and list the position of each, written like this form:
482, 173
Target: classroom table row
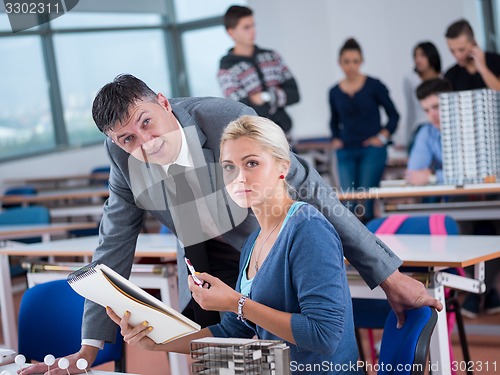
53, 197
62, 181
454, 202
464, 210
434, 252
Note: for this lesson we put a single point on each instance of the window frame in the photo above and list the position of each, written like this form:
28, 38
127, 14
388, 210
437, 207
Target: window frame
176, 65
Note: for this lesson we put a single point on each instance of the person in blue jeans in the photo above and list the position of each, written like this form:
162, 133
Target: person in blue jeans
358, 136
292, 283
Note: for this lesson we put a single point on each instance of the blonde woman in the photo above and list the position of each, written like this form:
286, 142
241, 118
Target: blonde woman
292, 283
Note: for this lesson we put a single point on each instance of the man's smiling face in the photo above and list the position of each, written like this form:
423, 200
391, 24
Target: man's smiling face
150, 133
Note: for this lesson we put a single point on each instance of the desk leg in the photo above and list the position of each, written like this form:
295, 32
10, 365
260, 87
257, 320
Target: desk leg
440, 346
9, 325
179, 363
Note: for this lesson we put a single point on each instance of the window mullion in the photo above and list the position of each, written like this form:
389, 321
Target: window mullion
489, 25
175, 53
60, 131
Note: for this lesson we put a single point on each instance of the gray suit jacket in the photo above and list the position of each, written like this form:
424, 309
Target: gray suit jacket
206, 118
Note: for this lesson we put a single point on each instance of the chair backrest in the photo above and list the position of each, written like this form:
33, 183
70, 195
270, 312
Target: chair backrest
105, 169
403, 224
19, 190
370, 313
404, 350
25, 215
50, 321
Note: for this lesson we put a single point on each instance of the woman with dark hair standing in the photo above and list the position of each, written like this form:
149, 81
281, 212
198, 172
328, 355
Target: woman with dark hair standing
358, 135
427, 66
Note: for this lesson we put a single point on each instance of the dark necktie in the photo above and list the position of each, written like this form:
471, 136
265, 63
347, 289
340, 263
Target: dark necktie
189, 221
188, 218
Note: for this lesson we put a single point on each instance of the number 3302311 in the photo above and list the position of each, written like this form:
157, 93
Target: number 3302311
32, 8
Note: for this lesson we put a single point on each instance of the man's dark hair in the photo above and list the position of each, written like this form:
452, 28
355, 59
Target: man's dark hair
433, 86
234, 14
458, 28
350, 45
113, 101
432, 54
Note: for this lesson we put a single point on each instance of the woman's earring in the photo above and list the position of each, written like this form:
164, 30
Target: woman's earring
282, 176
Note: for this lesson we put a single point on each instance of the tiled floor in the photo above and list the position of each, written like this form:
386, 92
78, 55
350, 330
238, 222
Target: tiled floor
483, 335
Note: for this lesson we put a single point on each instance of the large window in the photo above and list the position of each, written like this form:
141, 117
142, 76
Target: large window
52, 73
496, 23
202, 72
4, 22
190, 10
76, 20
88, 61
26, 125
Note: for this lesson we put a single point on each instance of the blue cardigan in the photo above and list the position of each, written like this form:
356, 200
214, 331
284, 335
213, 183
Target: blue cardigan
357, 118
304, 274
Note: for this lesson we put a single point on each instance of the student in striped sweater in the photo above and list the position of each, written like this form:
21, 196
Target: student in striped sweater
254, 76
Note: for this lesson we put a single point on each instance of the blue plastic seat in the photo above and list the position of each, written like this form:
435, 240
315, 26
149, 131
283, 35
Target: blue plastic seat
19, 190
371, 314
21, 216
25, 216
416, 225
404, 350
50, 321
105, 169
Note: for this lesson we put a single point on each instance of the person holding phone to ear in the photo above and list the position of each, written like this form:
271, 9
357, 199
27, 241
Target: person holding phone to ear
475, 69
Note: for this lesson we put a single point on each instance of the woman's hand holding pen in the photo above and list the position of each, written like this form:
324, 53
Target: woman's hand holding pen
219, 297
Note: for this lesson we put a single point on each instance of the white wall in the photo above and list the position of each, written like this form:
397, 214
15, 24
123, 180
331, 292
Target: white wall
308, 34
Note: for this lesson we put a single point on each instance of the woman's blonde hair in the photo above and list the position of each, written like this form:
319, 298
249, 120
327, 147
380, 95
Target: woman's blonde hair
262, 130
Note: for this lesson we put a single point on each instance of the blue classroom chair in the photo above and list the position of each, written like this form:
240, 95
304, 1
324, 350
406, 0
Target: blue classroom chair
19, 190
370, 314
404, 350
24, 215
50, 321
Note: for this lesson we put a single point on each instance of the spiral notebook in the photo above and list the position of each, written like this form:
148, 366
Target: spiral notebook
100, 284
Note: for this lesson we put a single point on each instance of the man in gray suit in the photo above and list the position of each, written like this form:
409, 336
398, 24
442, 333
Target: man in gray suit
147, 135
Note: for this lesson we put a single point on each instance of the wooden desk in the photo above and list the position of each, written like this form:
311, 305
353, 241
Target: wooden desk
467, 210
77, 211
434, 252
13, 368
148, 245
57, 195
14, 232
438, 253
58, 180
419, 191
